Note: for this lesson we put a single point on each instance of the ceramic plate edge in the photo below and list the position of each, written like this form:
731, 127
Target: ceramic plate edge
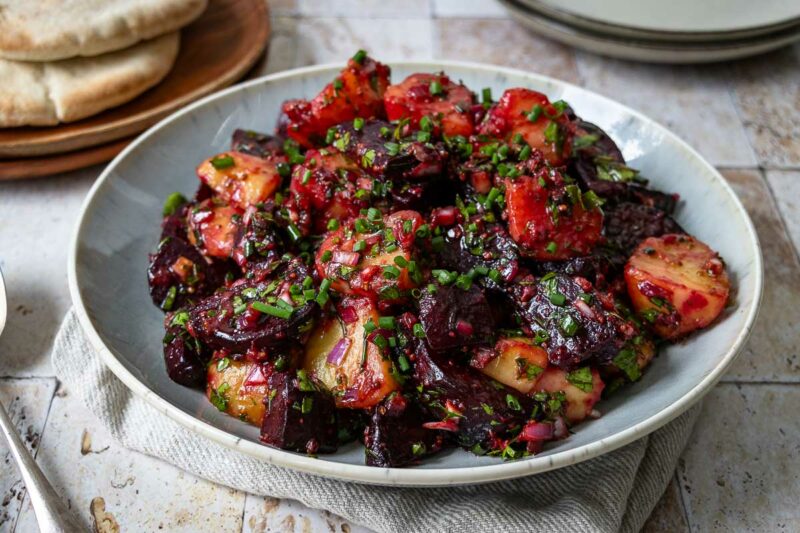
408, 476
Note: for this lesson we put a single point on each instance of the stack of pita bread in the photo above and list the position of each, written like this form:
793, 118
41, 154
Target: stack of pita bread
64, 60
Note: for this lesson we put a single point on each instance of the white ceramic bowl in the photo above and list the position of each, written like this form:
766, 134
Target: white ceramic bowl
120, 225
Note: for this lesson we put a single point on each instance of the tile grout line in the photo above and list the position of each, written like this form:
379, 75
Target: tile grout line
684, 508
784, 225
733, 96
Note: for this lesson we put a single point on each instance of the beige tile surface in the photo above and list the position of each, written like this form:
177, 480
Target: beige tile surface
503, 42
740, 471
364, 8
27, 402
785, 187
36, 222
468, 8
83, 463
771, 354
271, 514
694, 102
767, 91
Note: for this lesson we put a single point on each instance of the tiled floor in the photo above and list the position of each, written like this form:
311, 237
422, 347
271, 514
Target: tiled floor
741, 470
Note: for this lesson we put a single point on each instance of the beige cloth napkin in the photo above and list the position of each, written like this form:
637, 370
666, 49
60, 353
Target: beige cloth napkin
614, 492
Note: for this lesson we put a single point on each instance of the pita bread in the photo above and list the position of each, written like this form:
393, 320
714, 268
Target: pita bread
44, 94
48, 30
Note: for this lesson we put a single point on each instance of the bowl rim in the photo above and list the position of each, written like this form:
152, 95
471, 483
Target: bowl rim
408, 476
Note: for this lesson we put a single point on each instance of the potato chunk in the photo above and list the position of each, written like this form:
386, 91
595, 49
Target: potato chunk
238, 388
677, 283
345, 357
518, 363
240, 179
448, 104
582, 388
541, 124
372, 257
214, 228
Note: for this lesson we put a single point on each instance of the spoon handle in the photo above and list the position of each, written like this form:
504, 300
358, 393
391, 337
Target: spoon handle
52, 515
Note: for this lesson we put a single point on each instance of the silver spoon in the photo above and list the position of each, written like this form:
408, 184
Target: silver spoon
51, 513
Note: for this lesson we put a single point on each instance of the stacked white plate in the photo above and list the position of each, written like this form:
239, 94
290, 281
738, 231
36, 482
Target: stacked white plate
675, 31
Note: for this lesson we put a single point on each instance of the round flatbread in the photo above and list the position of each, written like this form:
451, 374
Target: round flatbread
44, 94
49, 30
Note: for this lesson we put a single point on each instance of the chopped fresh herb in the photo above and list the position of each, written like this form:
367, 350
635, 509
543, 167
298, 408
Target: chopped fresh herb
222, 162
568, 325
513, 403
223, 363
486, 95
271, 310
535, 113
333, 224
626, 361
358, 123
418, 448
585, 141
359, 57
582, 378
419, 331
436, 87
172, 203
387, 322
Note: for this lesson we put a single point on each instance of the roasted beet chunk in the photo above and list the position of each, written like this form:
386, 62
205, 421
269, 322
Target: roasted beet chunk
628, 224
488, 247
257, 144
268, 310
259, 242
300, 416
377, 146
453, 317
184, 356
481, 412
395, 435
179, 274
575, 323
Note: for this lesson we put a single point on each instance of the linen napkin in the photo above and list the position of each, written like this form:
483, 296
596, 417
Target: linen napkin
614, 492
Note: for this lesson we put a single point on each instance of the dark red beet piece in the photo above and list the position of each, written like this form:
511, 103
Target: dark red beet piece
255, 143
179, 274
382, 155
259, 241
578, 327
491, 248
299, 416
184, 356
627, 224
216, 322
478, 410
453, 317
395, 435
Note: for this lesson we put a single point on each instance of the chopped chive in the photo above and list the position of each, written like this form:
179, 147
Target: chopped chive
294, 232
535, 113
222, 162
387, 322
333, 224
419, 331
272, 310
486, 95
551, 247
172, 203
359, 57
358, 123
435, 87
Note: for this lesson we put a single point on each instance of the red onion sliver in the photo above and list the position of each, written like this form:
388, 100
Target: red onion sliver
450, 424
464, 328
561, 431
346, 258
338, 351
348, 314
537, 431
255, 378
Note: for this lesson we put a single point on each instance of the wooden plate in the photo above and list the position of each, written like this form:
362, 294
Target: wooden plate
216, 50
35, 167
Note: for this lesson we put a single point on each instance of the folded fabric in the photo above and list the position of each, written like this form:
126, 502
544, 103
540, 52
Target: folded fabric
614, 492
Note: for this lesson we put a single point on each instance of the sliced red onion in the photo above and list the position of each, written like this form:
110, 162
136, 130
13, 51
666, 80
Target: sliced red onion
348, 314
584, 308
255, 378
561, 431
464, 328
537, 431
451, 424
338, 351
346, 258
